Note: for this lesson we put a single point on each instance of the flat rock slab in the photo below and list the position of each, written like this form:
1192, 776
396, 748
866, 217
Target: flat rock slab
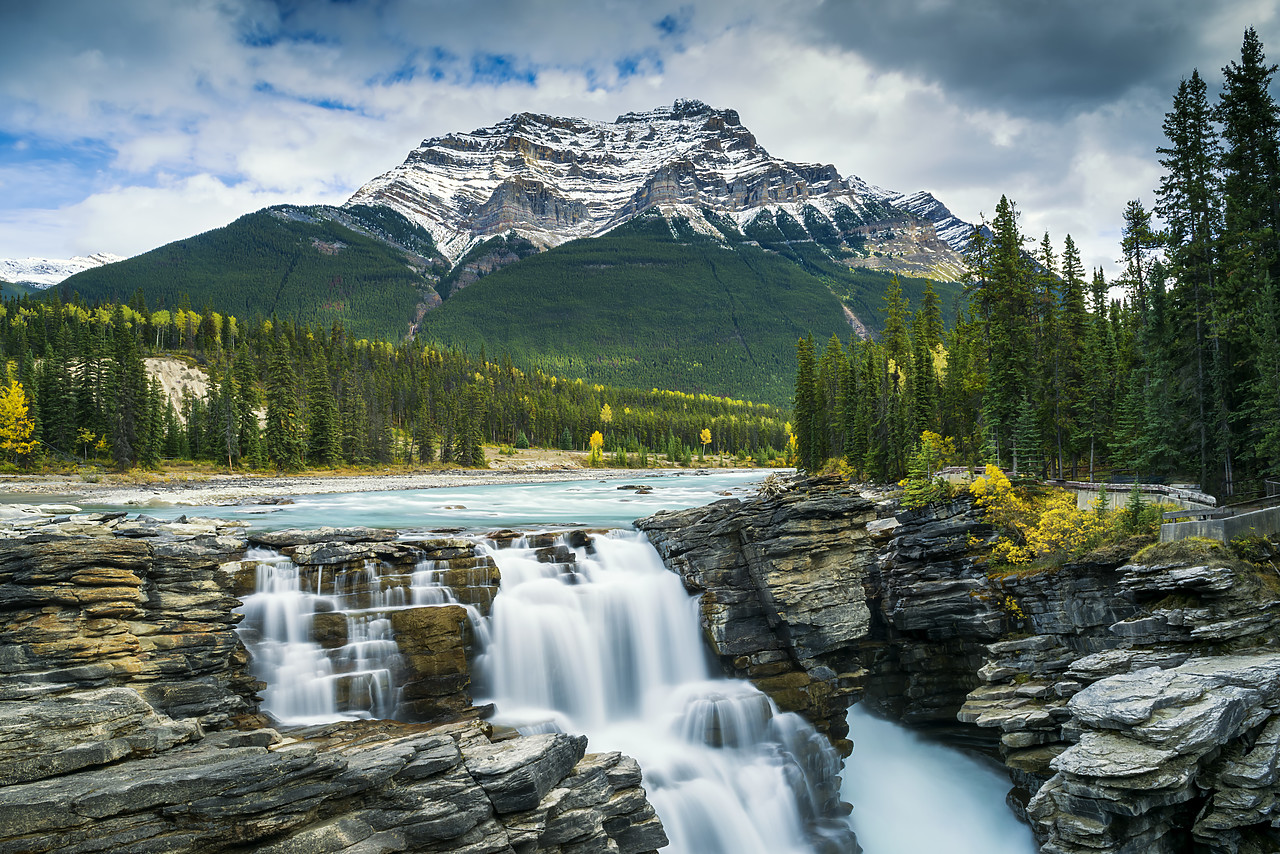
295, 537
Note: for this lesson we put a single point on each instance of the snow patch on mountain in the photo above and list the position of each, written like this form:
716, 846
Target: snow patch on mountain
955, 231
553, 179
46, 272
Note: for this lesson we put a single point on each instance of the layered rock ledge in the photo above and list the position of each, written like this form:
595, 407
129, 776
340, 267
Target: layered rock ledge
129, 719
1132, 700
780, 581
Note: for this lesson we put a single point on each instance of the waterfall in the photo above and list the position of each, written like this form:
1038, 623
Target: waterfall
605, 641
601, 640
352, 668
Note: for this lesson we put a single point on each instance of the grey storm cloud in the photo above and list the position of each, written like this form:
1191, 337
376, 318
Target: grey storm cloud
1037, 56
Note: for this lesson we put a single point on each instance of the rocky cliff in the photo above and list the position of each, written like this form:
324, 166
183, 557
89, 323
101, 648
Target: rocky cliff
129, 719
551, 179
780, 582
1133, 699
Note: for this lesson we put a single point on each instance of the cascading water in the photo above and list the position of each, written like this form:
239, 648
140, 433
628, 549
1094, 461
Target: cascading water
355, 678
608, 644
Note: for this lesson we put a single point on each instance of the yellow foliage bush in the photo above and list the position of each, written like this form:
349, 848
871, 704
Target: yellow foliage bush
1006, 508
1047, 527
1062, 530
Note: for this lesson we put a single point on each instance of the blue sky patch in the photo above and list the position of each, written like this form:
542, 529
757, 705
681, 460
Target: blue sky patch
675, 24
496, 69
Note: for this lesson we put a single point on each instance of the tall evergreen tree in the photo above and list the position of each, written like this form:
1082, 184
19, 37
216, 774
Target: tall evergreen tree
1188, 202
809, 422
1250, 256
324, 440
1009, 325
284, 441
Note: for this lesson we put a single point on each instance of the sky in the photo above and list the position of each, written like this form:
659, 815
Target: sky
125, 125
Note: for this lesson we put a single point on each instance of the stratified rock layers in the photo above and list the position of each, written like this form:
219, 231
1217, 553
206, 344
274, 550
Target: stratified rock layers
128, 719
780, 582
1135, 703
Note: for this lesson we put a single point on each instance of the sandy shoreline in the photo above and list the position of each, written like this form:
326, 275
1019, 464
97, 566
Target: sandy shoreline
243, 489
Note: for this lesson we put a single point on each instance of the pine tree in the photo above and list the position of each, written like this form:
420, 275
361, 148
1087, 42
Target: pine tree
828, 396
1026, 441
424, 433
284, 441
1073, 329
810, 426
1188, 202
1137, 242
324, 441
1010, 352
128, 391
1249, 253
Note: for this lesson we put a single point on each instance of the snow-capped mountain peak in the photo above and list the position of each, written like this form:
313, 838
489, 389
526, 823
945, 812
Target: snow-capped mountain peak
553, 179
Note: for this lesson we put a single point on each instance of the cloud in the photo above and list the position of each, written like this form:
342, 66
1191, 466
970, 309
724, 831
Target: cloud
194, 113
131, 220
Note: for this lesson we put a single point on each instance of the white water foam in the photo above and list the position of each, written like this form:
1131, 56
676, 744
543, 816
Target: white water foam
609, 645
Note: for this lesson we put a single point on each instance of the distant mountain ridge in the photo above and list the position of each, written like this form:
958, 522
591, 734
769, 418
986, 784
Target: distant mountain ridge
46, 272
551, 179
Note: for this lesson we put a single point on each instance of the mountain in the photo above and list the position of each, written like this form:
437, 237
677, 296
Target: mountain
44, 272
666, 248
551, 180
658, 303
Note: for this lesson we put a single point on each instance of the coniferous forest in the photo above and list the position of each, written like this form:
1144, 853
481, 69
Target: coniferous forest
1171, 370
282, 396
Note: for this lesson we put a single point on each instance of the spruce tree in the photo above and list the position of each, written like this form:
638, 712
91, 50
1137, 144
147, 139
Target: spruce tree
324, 441
809, 424
828, 396
1249, 254
1073, 326
284, 441
1009, 325
1188, 201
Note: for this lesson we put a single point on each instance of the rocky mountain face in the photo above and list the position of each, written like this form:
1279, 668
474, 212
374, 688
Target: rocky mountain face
552, 179
1135, 703
128, 715
46, 272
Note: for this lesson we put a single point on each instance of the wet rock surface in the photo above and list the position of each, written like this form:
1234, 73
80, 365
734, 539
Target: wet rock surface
351, 787
129, 720
1134, 702
775, 575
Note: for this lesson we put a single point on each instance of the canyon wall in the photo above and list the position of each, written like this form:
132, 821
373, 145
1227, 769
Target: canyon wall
1133, 699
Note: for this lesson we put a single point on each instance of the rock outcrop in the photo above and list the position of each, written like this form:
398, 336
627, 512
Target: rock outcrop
1133, 700
98, 601
129, 720
349, 787
373, 571
1162, 754
775, 576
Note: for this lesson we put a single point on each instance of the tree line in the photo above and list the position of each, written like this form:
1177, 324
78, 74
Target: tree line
288, 396
1045, 373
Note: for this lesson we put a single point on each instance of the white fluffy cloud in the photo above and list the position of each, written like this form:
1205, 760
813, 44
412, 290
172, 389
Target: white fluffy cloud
152, 121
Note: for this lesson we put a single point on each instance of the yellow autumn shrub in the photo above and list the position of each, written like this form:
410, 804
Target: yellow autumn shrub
1062, 530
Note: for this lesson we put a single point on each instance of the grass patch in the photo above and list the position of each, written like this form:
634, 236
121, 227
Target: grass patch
1189, 550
